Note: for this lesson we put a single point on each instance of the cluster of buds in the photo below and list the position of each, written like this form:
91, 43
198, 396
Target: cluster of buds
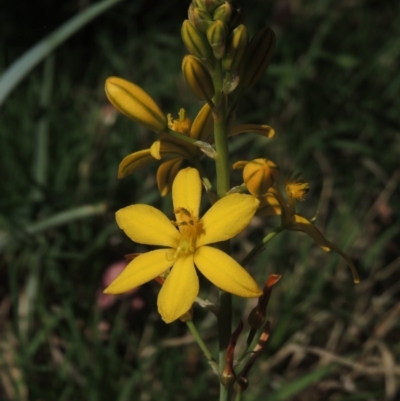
214, 35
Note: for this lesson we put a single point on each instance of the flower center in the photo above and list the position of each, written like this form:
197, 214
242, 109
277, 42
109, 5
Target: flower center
297, 189
190, 228
181, 125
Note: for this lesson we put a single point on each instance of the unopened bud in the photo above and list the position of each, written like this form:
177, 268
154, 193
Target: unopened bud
216, 35
195, 41
208, 5
132, 101
203, 124
235, 49
198, 78
223, 13
201, 19
257, 57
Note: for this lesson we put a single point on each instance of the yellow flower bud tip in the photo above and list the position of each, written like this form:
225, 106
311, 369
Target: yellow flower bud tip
223, 12
181, 125
208, 5
135, 103
200, 18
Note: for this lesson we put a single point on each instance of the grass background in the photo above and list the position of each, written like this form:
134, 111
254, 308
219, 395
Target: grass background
332, 95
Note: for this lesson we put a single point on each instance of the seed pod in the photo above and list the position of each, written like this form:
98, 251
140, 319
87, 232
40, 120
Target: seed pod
198, 78
132, 101
195, 41
216, 35
257, 57
223, 13
235, 49
201, 19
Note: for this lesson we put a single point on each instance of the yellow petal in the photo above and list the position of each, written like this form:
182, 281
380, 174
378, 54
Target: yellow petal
225, 273
135, 103
203, 124
167, 147
302, 224
239, 164
166, 174
263, 130
269, 206
186, 191
147, 225
227, 218
134, 162
140, 270
179, 290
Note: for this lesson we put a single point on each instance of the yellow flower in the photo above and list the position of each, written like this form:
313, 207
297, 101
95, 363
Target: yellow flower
275, 203
173, 151
186, 241
170, 149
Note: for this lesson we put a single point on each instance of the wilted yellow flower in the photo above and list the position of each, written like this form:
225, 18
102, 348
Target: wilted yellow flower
186, 243
275, 203
259, 175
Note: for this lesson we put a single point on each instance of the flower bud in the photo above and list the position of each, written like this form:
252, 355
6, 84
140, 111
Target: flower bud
132, 101
198, 78
223, 13
259, 175
203, 124
235, 48
201, 19
195, 41
208, 5
216, 35
257, 57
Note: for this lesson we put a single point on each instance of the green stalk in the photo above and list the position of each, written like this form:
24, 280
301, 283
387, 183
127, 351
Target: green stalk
202, 345
223, 185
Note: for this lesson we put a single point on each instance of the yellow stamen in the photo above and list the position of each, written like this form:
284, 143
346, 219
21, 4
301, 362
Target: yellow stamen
190, 227
181, 125
297, 189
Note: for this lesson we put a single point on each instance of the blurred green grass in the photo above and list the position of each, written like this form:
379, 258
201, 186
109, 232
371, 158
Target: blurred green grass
331, 93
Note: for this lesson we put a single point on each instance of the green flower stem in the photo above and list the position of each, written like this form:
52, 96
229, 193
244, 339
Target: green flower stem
202, 345
221, 134
238, 396
223, 186
224, 336
261, 245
